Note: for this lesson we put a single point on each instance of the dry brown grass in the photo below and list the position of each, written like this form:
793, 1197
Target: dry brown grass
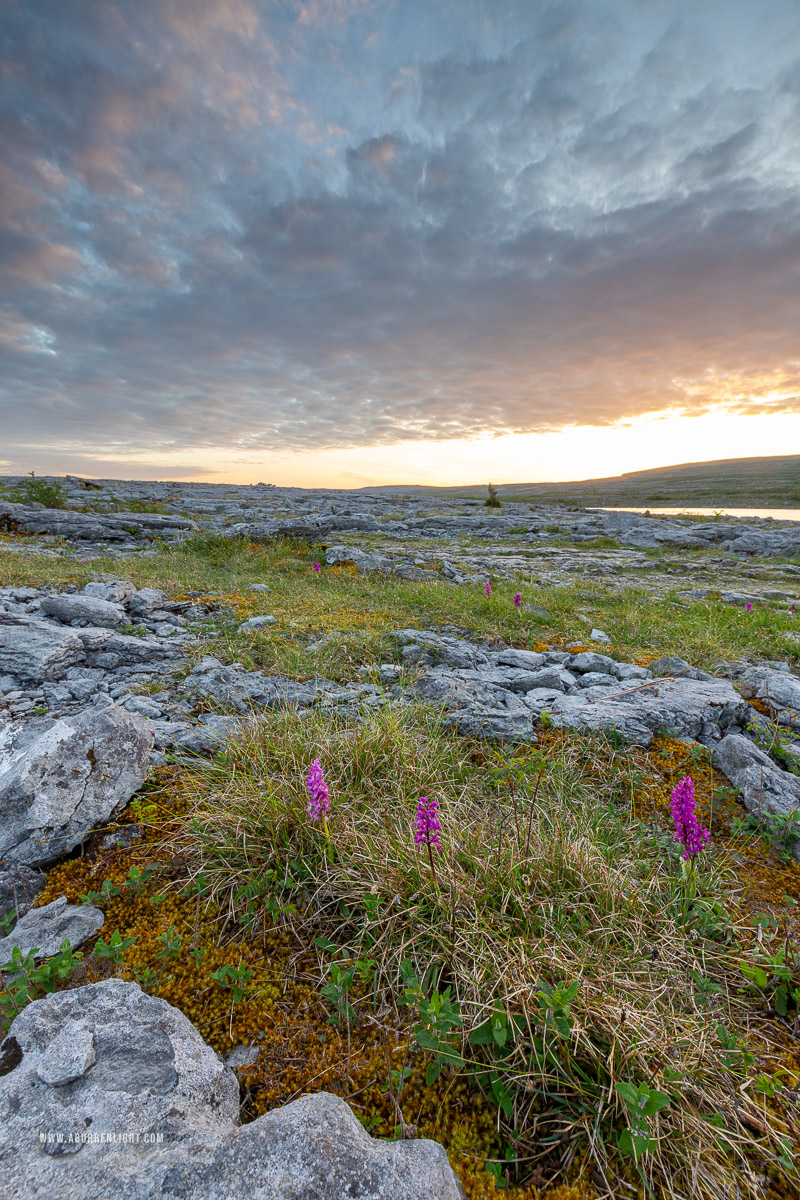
526, 900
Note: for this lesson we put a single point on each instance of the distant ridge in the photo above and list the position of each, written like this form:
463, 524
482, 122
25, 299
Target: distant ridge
770, 482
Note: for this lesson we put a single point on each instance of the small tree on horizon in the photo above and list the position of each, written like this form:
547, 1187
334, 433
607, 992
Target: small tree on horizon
494, 500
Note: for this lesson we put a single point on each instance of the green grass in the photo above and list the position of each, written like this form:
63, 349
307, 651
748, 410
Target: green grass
552, 956
141, 506
364, 610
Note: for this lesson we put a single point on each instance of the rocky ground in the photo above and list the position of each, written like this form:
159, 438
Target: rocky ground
104, 680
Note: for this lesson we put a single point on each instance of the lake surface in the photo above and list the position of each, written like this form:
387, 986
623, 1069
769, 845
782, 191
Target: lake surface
778, 514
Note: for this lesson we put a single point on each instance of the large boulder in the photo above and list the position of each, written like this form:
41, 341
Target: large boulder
69, 779
35, 651
106, 1091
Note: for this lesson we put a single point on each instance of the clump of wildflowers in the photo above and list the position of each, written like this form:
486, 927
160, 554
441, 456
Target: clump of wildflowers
688, 832
427, 829
319, 802
316, 568
748, 606
487, 589
517, 600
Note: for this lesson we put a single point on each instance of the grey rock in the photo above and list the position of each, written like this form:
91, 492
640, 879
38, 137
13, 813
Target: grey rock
87, 1064
69, 1056
162, 616
458, 689
107, 649
241, 1056
193, 739
365, 563
209, 663
629, 671
88, 527
597, 679
764, 787
598, 635
526, 660
493, 725
142, 705
165, 629
537, 611
90, 609
773, 687
19, 887
151, 1071
385, 673
559, 657
46, 928
589, 661
512, 678
32, 651
418, 573
146, 600
244, 690
555, 677
260, 587
670, 664
697, 709
440, 648
260, 622
116, 591
69, 779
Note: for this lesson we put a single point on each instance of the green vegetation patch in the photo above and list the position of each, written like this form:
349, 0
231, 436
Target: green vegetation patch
547, 948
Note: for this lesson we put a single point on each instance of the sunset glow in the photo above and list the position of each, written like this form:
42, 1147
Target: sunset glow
355, 241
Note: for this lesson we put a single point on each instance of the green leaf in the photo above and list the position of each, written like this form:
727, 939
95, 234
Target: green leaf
324, 944
655, 1102
432, 1074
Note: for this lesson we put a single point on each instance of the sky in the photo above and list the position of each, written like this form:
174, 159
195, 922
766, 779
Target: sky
346, 242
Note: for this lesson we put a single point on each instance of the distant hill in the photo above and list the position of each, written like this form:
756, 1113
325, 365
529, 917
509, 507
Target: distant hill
731, 482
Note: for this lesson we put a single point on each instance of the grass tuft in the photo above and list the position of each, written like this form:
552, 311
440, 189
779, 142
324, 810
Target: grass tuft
551, 959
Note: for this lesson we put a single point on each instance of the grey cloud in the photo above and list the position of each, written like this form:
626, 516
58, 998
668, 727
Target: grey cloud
557, 223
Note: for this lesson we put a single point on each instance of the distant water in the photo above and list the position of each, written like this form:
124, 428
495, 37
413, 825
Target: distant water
778, 514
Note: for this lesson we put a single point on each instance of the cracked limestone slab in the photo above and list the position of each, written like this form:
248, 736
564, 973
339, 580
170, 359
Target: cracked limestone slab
68, 780
107, 1091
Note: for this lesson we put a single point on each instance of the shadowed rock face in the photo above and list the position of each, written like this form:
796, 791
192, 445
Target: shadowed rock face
106, 1091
